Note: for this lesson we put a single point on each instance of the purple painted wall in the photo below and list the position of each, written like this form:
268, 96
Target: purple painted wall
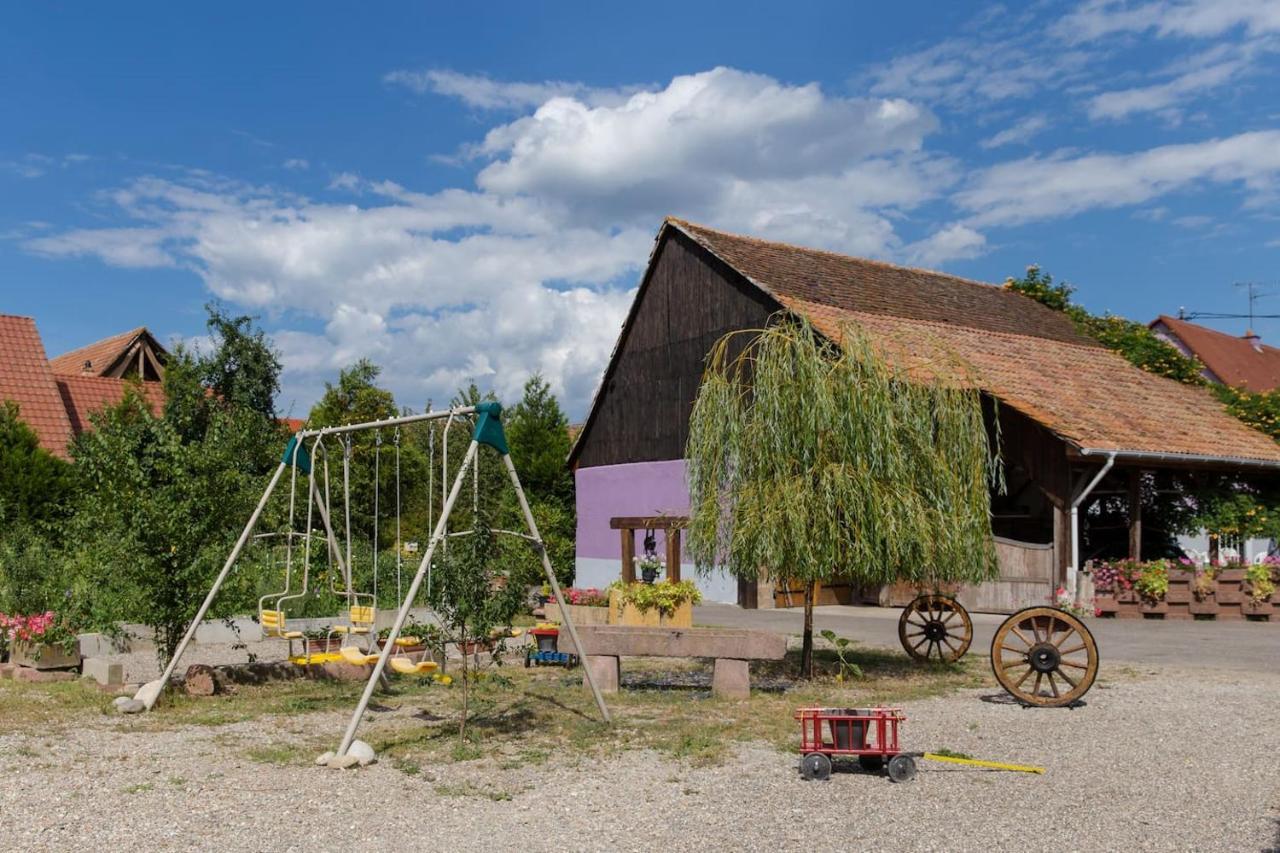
637, 488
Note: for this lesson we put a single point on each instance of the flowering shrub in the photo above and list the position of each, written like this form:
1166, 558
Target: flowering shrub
665, 596
1261, 586
37, 629
1061, 599
1115, 577
649, 563
586, 597
1150, 579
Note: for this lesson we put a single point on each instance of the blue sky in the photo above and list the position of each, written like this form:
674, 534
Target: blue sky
471, 190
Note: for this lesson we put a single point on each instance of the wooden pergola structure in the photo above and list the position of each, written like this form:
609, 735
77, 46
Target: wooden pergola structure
672, 525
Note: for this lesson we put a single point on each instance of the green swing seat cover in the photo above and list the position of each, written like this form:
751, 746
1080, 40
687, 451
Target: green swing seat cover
304, 458
489, 426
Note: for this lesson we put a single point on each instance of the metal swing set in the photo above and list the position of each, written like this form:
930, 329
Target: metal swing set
360, 619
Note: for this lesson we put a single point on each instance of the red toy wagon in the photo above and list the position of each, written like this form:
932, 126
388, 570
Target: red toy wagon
869, 733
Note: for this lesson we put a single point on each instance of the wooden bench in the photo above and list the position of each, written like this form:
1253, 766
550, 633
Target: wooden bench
732, 649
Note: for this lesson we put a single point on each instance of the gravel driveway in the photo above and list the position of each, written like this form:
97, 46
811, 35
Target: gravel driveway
1167, 760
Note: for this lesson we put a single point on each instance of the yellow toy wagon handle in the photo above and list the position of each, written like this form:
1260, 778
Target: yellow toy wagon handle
975, 762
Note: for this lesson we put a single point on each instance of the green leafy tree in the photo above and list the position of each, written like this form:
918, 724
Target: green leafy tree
357, 398
164, 498
38, 486
473, 598
538, 433
808, 460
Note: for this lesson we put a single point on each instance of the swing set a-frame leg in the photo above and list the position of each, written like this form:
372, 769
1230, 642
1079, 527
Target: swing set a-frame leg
555, 584
412, 593
410, 596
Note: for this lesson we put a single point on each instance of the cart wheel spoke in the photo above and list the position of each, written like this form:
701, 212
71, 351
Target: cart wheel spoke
1074, 665
1073, 649
1025, 675
1019, 635
1065, 677
1066, 635
1052, 684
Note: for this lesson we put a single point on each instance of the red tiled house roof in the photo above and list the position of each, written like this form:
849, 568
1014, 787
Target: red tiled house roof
84, 395
57, 407
114, 356
1021, 352
26, 379
1238, 362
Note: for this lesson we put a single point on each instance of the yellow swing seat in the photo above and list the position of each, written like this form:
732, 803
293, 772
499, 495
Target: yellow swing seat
404, 666
357, 657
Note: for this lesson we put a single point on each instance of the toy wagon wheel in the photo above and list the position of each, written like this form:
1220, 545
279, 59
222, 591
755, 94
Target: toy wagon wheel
817, 766
1044, 656
902, 768
935, 627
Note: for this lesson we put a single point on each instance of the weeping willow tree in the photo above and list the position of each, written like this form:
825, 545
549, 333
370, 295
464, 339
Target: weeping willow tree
809, 459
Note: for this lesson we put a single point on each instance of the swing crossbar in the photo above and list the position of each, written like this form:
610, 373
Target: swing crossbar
387, 422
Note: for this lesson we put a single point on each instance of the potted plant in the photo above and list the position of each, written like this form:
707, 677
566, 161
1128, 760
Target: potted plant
1204, 599
41, 641
1152, 585
1259, 588
656, 605
587, 606
648, 567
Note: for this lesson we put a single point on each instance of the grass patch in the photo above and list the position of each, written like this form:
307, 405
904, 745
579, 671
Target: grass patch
519, 719
281, 754
140, 788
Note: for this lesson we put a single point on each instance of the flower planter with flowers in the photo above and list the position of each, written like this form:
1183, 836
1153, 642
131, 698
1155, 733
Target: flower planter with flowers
1162, 589
656, 605
40, 641
586, 606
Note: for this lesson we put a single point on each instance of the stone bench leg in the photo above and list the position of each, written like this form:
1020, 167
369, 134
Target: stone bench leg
732, 679
605, 669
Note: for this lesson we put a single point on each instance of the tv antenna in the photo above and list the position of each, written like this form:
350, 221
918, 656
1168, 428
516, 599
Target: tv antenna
1254, 290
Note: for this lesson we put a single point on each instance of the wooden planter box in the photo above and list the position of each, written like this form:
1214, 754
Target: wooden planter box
1180, 584
42, 656
1263, 609
1207, 606
1106, 605
581, 614
627, 614
1227, 586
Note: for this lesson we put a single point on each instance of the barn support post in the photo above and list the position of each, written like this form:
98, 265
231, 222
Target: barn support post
1073, 570
1135, 514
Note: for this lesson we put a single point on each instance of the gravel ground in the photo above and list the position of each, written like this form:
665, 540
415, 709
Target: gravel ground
1157, 760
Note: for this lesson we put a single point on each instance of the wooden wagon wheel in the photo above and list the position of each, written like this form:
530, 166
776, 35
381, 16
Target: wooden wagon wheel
935, 627
1044, 656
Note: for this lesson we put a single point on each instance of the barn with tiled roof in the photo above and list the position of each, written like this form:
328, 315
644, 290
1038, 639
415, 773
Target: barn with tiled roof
1072, 413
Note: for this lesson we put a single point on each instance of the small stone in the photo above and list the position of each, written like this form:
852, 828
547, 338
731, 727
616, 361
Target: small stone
132, 706
325, 758
344, 762
121, 701
363, 752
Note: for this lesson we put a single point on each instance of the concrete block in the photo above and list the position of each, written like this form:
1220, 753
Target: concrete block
38, 676
94, 645
105, 672
605, 669
6, 670
619, 640
731, 679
